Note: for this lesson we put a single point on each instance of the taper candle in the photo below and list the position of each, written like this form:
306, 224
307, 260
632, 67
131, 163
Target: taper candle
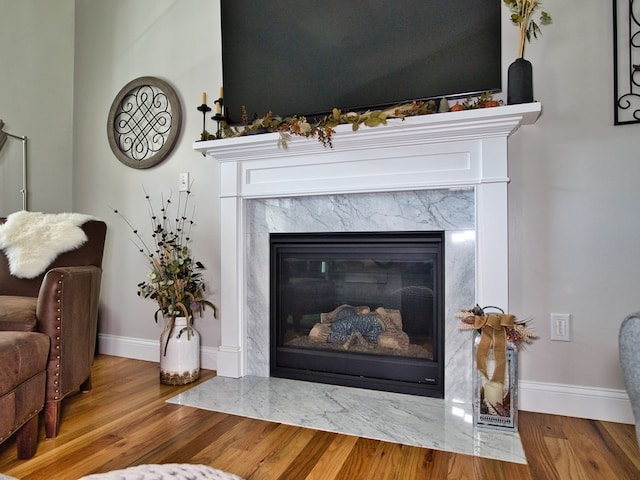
218, 108
493, 392
204, 98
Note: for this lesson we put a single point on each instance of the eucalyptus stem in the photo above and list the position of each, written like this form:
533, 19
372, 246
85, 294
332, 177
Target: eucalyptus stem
522, 15
527, 9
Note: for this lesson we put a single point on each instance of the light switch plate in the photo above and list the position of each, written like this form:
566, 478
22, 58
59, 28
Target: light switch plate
561, 327
183, 182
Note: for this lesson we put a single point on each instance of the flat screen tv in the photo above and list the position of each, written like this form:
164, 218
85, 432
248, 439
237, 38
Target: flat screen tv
305, 57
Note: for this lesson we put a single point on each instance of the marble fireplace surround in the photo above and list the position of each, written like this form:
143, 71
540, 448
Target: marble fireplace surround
446, 171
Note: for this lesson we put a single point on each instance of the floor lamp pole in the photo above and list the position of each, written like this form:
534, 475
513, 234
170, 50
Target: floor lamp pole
23, 190
3, 137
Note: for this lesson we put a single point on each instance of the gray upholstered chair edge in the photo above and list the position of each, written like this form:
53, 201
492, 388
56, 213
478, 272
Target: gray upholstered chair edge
629, 346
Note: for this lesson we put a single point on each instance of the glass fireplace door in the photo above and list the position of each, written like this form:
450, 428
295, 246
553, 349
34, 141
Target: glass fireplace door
359, 309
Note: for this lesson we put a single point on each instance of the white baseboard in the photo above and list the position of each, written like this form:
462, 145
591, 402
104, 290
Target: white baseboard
556, 399
575, 401
142, 349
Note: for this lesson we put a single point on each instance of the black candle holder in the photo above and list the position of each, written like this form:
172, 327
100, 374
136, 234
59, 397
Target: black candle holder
204, 108
219, 117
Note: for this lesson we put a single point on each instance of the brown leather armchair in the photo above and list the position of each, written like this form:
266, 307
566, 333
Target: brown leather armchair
62, 303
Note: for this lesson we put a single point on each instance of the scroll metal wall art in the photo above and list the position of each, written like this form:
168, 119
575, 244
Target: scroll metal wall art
626, 54
144, 122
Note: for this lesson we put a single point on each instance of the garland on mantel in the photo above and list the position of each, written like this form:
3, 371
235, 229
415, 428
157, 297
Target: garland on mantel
323, 129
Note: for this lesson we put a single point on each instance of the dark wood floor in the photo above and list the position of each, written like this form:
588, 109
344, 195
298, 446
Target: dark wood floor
126, 421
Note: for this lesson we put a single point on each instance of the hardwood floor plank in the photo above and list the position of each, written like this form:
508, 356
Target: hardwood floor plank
462, 467
209, 447
180, 445
598, 454
437, 463
331, 460
516, 470
243, 462
356, 463
534, 428
135, 439
564, 460
420, 461
274, 465
384, 462
125, 421
624, 436
411, 460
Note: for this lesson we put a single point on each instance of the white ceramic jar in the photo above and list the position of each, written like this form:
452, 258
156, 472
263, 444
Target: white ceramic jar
180, 355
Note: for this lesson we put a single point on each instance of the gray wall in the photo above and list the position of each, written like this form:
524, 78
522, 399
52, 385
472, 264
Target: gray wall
573, 202
36, 101
177, 41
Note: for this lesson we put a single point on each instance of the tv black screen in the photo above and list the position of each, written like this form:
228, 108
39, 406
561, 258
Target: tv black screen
305, 57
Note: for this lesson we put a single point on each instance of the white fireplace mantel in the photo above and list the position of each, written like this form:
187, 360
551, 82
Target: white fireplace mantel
466, 149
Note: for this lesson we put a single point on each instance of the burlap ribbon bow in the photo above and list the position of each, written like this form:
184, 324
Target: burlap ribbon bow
493, 334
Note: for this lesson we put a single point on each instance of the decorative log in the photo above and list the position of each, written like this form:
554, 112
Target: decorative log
396, 339
369, 325
356, 338
391, 318
329, 317
320, 332
392, 336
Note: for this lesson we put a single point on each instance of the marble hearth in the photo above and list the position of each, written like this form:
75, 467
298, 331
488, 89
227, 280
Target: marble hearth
444, 172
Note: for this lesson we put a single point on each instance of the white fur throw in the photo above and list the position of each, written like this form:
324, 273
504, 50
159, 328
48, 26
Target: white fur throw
33, 240
168, 471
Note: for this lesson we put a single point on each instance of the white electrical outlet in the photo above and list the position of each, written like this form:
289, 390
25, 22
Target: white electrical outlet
561, 327
183, 182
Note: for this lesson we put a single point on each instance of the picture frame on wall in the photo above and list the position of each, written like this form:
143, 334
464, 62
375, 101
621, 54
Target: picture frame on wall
626, 54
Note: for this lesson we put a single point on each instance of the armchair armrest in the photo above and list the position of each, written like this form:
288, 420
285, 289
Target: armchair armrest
67, 311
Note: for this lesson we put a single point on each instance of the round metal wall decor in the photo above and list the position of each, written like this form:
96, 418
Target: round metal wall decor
144, 122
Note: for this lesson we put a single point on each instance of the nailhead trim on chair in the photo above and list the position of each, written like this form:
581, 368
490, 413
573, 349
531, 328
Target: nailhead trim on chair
35, 412
58, 328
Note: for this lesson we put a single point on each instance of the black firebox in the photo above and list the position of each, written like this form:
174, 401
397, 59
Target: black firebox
359, 309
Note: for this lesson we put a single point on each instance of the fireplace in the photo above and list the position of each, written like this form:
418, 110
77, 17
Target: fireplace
359, 309
444, 172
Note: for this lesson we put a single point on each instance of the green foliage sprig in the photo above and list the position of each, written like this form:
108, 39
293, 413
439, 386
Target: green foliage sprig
522, 15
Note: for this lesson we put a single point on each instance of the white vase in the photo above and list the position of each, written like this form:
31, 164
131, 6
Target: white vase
179, 353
